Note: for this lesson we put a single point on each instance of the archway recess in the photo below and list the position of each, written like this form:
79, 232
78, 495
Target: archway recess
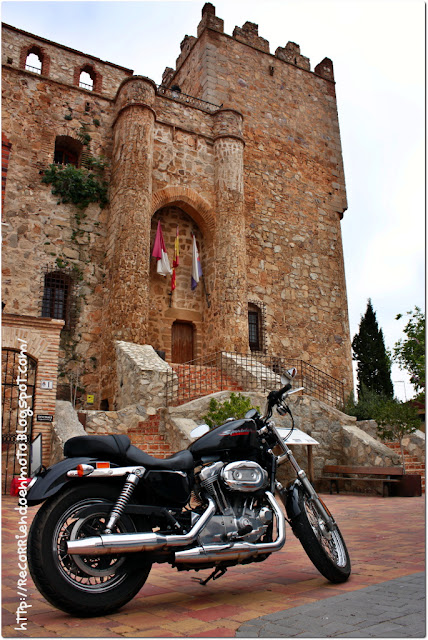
190, 201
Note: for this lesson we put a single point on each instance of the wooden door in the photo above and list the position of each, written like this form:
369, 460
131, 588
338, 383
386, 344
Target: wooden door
182, 342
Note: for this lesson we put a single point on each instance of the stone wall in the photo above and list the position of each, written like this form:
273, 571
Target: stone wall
66, 426
59, 63
141, 376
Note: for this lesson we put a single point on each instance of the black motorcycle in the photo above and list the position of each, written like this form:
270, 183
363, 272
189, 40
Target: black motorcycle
111, 511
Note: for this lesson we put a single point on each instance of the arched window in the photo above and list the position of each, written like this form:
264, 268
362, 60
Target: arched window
87, 78
256, 327
57, 297
33, 61
67, 150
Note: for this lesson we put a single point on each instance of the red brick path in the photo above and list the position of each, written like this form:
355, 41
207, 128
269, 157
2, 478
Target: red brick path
385, 537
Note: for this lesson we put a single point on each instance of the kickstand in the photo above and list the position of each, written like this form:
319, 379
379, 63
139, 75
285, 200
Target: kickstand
215, 575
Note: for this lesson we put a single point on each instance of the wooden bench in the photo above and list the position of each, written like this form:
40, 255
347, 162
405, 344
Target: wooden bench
385, 475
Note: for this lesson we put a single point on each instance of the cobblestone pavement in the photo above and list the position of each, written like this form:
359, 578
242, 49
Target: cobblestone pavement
386, 542
393, 609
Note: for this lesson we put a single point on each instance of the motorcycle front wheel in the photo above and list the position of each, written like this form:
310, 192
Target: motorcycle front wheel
82, 585
326, 549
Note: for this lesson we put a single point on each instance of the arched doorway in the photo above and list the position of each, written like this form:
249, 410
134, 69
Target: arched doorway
11, 413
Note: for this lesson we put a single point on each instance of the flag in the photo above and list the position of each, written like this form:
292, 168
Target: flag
176, 251
159, 252
196, 266
176, 260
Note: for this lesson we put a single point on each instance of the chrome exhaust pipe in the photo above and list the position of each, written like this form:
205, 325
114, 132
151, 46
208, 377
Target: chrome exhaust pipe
236, 550
134, 542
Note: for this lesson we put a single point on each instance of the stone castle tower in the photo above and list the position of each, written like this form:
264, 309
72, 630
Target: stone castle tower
238, 147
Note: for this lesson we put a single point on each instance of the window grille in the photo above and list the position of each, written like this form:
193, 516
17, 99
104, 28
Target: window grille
57, 298
257, 326
254, 330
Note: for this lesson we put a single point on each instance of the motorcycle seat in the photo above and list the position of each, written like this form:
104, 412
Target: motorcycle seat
118, 449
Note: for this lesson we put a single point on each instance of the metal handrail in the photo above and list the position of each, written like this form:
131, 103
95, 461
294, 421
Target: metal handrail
186, 99
33, 69
247, 372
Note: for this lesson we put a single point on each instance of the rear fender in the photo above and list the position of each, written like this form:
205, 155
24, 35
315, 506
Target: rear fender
53, 479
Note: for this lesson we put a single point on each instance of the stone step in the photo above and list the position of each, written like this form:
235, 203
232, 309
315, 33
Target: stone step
412, 463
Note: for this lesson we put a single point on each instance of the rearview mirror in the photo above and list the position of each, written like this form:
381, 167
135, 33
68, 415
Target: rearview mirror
288, 375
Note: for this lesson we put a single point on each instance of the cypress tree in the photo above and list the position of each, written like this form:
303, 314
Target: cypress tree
374, 365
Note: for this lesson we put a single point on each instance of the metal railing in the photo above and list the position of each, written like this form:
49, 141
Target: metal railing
186, 99
248, 372
84, 85
33, 69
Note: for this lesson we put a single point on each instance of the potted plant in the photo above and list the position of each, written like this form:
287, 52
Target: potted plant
395, 421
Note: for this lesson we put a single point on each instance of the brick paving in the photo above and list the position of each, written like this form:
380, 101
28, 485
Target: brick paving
392, 609
385, 538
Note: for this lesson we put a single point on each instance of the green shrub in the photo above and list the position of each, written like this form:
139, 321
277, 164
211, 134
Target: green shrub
236, 407
78, 186
394, 419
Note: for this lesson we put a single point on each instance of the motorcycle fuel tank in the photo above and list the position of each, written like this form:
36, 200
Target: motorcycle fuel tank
237, 436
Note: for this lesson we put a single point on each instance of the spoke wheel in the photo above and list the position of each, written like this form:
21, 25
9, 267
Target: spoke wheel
326, 549
85, 585
331, 541
88, 573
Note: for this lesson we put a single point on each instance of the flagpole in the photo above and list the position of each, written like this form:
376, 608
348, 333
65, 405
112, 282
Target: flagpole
207, 295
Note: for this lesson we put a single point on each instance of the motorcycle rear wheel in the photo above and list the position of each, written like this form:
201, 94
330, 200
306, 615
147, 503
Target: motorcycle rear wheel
326, 549
82, 585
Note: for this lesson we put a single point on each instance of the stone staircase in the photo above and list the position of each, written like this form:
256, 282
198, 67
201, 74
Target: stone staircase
413, 464
196, 381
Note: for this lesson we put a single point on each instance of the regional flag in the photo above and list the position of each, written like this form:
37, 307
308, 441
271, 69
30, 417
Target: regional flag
159, 251
196, 266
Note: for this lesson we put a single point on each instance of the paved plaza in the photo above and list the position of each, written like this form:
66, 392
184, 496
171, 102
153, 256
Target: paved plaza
284, 596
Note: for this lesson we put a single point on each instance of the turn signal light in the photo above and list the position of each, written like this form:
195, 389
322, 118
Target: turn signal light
82, 470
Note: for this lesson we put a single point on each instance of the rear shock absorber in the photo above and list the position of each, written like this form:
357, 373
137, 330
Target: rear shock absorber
128, 489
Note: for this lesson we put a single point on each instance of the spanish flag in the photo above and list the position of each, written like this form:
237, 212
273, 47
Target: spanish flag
176, 260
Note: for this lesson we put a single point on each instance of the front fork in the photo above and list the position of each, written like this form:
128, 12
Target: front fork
304, 481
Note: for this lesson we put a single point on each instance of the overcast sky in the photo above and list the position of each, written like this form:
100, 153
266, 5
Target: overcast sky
378, 53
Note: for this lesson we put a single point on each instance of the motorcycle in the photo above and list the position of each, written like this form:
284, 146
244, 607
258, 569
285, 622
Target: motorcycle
111, 510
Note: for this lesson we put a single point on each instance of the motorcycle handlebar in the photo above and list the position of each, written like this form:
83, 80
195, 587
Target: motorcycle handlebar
276, 396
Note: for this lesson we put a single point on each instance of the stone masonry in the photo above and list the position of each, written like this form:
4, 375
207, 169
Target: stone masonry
251, 164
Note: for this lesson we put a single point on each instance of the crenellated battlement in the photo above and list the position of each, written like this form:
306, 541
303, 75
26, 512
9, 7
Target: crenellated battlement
247, 34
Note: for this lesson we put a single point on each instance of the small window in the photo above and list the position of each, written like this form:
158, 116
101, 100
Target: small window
67, 150
33, 63
254, 330
57, 297
256, 327
86, 80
